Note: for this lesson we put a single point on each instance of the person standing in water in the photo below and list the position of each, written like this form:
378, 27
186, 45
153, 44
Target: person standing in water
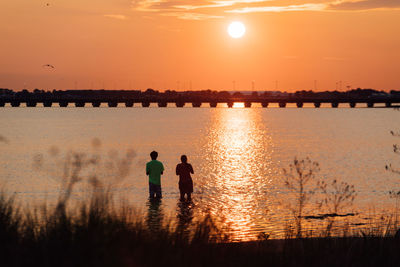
154, 169
184, 170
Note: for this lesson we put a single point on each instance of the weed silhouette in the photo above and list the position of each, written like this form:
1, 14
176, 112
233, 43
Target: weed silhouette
336, 197
297, 178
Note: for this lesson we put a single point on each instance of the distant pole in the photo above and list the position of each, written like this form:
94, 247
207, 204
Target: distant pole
252, 85
76, 85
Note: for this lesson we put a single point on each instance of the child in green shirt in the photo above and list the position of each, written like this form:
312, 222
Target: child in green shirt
154, 169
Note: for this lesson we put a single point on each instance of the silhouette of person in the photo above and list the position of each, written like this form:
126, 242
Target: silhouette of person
154, 169
184, 170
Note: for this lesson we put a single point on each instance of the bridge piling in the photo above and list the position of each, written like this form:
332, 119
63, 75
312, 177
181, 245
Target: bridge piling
80, 104
213, 104
179, 104
47, 104
282, 104
230, 104
128, 104
31, 104
247, 104
335, 104
317, 104
63, 104
388, 104
145, 104
370, 104
96, 104
299, 104
162, 104
353, 104
196, 104
112, 104
15, 103
264, 104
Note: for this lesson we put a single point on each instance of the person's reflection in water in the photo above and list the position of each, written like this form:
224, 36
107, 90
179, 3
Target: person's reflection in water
184, 215
154, 215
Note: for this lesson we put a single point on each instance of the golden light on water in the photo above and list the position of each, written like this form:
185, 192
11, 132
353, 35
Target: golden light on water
238, 105
237, 146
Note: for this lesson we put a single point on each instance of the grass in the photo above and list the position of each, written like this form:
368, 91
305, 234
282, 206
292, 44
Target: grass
96, 234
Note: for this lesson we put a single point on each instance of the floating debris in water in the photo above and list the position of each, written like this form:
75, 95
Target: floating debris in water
328, 215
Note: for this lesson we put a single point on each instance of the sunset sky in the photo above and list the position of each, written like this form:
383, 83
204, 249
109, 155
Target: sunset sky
182, 45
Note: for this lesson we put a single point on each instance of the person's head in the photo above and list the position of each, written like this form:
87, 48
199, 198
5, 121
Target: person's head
154, 155
184, 159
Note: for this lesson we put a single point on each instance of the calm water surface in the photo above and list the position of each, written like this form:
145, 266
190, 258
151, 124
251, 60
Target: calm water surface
237, 154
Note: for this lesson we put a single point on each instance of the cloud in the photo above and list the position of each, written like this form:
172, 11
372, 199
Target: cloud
146, 5
164, 5
192, 7
365, 5
214, 4
115, 16
212, 9
303, 7
191, 16
184, 9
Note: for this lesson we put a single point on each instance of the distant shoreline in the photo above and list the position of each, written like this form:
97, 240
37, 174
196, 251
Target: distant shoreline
196, 98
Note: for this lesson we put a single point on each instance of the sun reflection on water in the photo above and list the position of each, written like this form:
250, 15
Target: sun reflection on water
238, 153
238, 105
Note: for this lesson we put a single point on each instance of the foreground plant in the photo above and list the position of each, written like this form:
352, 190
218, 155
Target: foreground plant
298, 178
336, 197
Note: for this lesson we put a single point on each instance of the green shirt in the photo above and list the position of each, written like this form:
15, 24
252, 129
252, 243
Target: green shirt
154, 169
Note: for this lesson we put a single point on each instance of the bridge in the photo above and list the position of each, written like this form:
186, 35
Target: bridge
112, 101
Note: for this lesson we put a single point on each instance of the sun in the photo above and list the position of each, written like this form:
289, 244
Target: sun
236, 29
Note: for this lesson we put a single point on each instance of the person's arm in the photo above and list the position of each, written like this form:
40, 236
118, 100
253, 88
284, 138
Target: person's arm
147, 170
191, 169
177, 169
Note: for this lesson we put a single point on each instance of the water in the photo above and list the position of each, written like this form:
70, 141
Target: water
238, 155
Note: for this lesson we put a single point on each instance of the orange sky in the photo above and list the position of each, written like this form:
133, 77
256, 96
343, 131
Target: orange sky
122, 44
